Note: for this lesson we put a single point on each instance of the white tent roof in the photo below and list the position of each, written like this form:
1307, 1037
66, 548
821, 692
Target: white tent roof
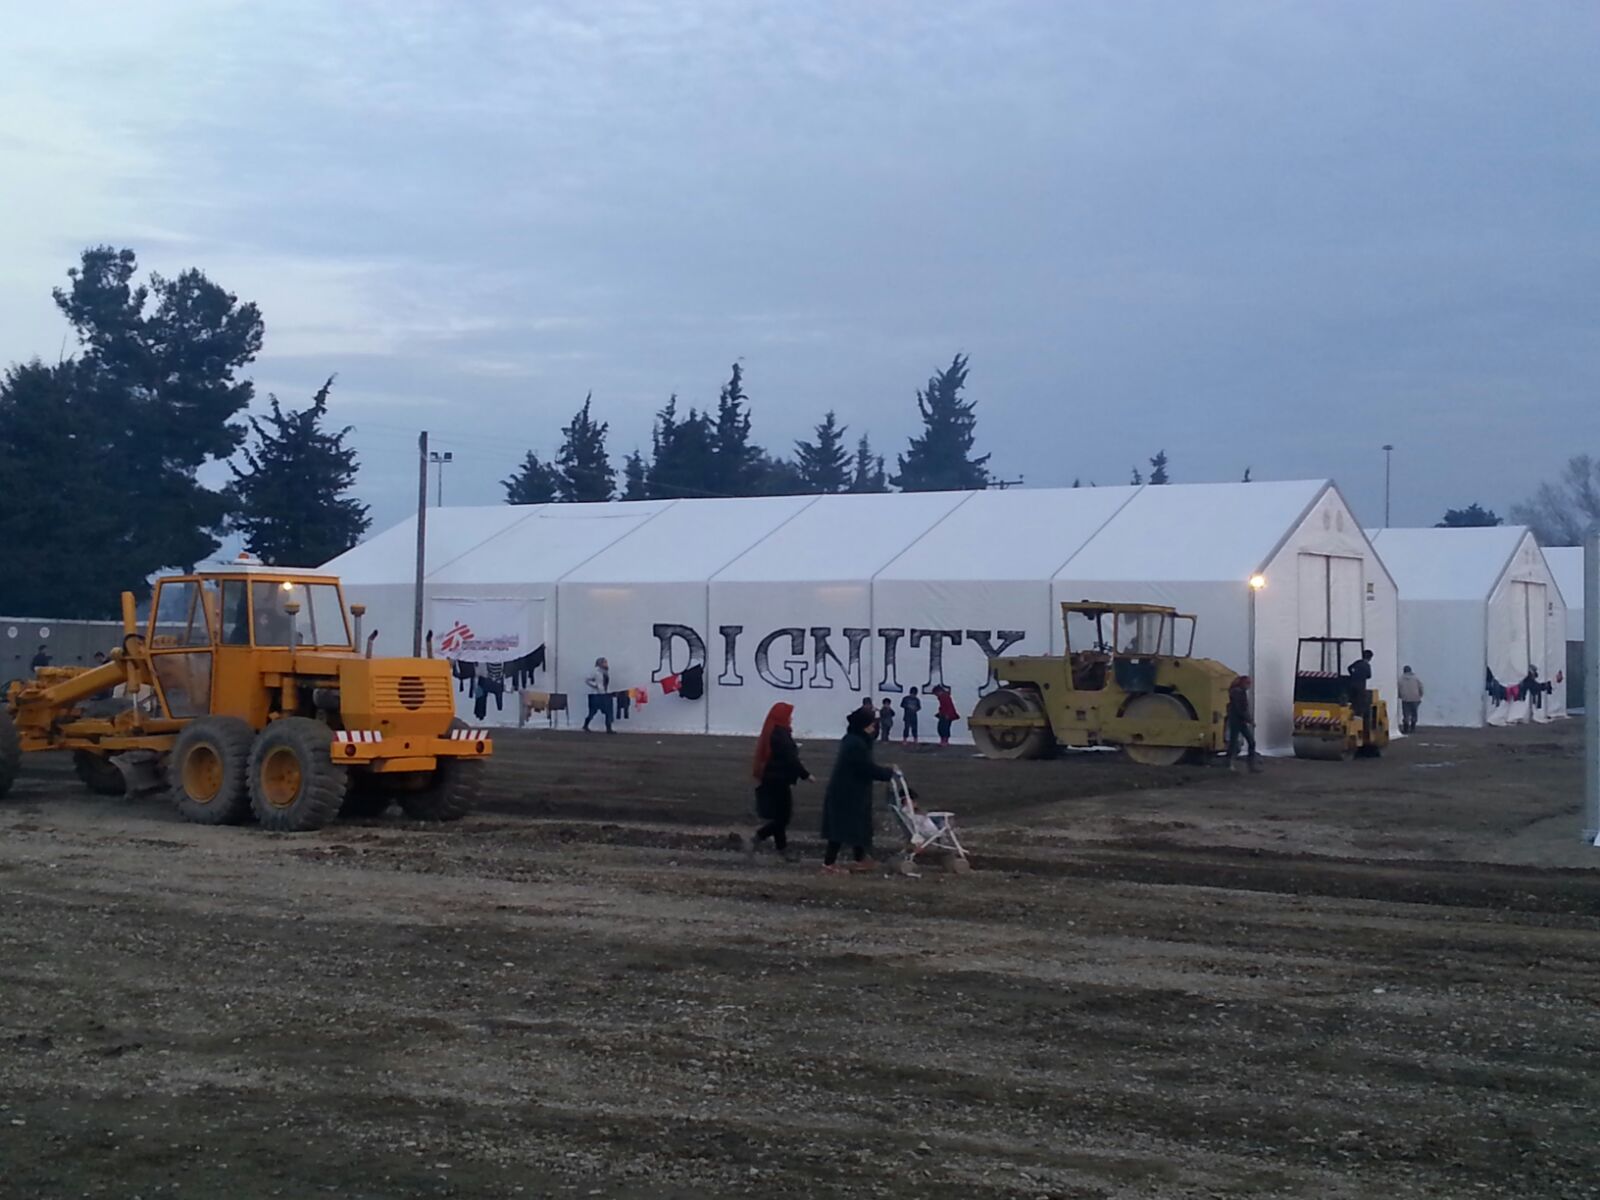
1210, 532
1448, 564
1168, 533
690, 541
552, 541
1010, 535
391, 556
841, 538
1566, 564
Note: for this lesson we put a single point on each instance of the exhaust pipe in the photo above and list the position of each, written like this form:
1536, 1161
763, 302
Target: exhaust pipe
371, 638
358, 611
429, 643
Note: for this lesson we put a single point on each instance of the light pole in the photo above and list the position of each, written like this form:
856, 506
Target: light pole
1257, 582
439, 460
1388, 461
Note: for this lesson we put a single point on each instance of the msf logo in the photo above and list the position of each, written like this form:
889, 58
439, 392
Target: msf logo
797, 657
455, 637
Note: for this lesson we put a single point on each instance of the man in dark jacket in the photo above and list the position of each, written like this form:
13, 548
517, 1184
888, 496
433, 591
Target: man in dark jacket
1241, 723
1360, 681
847, 805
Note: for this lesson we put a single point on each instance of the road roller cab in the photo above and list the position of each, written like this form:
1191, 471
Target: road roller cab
1335, 718
1129, 678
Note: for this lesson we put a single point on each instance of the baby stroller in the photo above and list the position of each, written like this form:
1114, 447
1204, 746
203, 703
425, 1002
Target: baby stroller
926, 832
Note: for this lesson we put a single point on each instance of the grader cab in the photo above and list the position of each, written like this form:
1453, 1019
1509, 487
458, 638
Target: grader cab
248, 695
1129, 679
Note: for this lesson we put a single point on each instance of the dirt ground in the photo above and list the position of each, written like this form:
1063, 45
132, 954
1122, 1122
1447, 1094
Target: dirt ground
1331, 981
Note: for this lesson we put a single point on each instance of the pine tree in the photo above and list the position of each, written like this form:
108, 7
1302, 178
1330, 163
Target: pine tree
1246, 478
681, 464
534, 482
824, 464
734, 461
940, 458
635, 486
1136, 479
1474, 516
584, 472
292, 506
867, 473
777, 477
1158, 468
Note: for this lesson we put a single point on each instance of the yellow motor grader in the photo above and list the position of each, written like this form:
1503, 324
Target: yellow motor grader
248, 695
1129, 679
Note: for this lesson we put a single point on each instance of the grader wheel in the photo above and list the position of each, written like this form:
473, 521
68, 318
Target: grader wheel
294, 783
10, 753
449, 795
1012, 741
1156, 706
206, 771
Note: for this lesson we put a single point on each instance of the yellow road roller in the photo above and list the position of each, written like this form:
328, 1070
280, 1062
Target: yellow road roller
1336, 717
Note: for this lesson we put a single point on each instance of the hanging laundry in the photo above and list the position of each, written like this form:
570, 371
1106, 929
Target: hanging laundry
669, 684
692, 683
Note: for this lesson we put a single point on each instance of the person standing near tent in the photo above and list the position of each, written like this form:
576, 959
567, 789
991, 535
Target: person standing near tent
1241, 724
909, 708
599, 684
885, 720
847, 805
1411, 693
777, 768
1360, 682
947, 715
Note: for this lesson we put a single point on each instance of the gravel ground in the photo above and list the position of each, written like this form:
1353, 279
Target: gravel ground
1330, 980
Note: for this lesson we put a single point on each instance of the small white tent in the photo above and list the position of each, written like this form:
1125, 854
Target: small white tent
821, 600
1476, 603
1566, 565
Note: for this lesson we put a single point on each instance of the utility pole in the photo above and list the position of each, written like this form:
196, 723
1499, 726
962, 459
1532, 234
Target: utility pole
1388, 460
422, 542
439, 461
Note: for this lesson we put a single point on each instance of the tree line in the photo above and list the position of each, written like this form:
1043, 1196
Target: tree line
101, 452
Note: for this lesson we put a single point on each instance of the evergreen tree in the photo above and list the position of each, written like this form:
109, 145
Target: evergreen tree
292, 506
735, 463
150, 397
1136, 478
1158, 468
681, 464
777, 477
584, 472
635, 486
823, 465
534, 482
1246, 478
940, 458
867, 473
1474, 516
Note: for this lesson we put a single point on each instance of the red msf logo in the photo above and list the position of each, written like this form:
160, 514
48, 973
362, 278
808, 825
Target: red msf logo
455, 636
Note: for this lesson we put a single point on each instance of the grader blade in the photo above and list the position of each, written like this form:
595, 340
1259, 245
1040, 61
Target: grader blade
141, 771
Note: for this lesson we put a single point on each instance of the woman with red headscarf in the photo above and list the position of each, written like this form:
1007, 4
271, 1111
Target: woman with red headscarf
777, 768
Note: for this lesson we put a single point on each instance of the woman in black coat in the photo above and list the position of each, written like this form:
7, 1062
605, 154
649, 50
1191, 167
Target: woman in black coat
847, 807
777, 768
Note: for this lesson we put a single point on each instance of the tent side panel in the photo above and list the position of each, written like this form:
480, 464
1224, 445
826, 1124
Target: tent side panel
1443, 642
812, 645
645, 631
948, 631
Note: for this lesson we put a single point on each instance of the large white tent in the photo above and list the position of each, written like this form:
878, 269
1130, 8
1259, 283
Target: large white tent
820, 601
1566, 565
1476, 603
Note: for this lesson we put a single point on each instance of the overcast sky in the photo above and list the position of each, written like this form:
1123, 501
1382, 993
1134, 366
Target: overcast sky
1253, 234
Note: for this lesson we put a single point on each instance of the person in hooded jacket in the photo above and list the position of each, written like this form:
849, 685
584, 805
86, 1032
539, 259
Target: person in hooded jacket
847, 806
777, 768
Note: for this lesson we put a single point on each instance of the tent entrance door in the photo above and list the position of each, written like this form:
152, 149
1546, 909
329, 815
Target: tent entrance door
1331, 591
1534, 627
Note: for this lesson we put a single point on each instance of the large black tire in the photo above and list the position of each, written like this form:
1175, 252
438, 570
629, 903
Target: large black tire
206, 771
295, 786
10, 753
451, 794
98, 773
366, 797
